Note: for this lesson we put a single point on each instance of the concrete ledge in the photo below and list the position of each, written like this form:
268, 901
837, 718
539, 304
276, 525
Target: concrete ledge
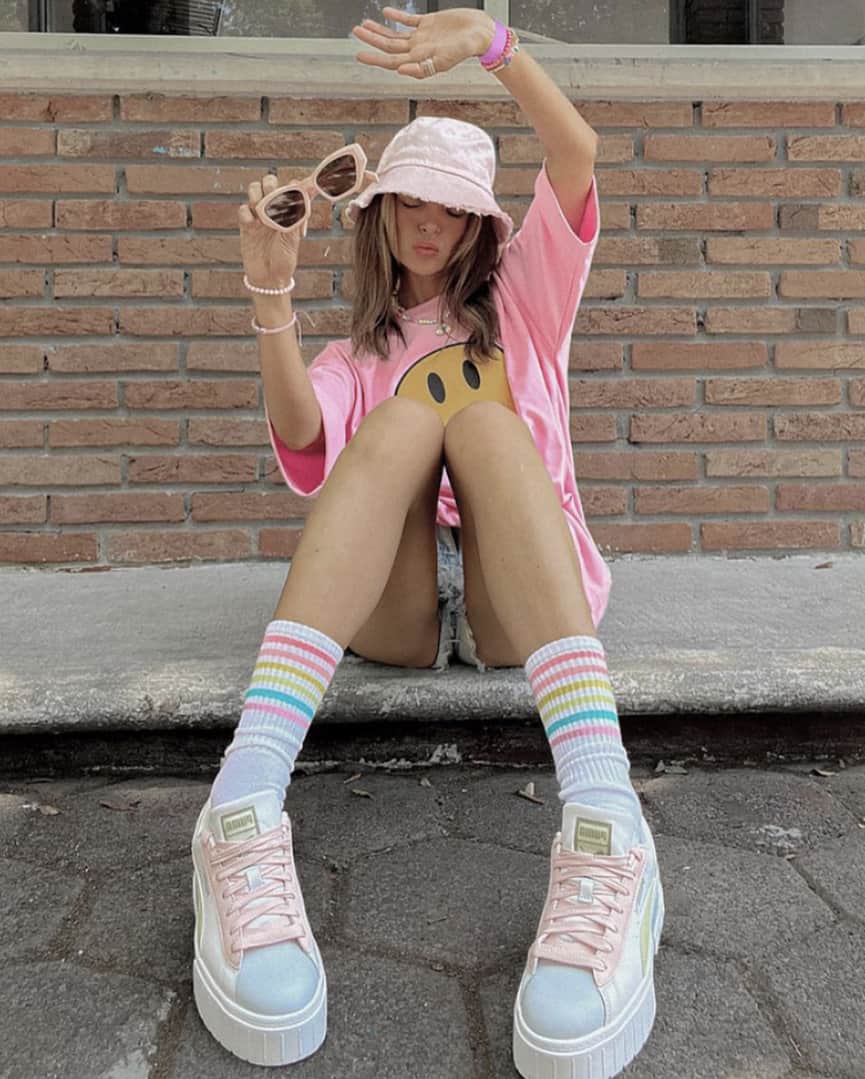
173, 648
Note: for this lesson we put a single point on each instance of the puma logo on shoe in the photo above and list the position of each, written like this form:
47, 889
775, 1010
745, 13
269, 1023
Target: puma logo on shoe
242, 824
592, 837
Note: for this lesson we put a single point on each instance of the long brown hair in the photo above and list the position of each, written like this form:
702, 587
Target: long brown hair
467, 293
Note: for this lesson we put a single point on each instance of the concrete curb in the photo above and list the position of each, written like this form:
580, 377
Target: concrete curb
154, 648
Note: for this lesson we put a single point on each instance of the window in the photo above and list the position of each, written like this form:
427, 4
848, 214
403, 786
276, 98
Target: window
690, 22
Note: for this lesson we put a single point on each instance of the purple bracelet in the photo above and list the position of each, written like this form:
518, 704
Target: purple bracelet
500, 39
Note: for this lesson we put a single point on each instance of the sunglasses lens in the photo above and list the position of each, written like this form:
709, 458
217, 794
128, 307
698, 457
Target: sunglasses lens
339, 176
286, 209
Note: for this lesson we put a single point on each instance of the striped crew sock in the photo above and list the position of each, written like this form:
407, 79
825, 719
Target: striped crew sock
294, 668
572, 690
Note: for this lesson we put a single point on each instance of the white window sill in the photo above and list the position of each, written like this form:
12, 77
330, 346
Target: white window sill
326, 67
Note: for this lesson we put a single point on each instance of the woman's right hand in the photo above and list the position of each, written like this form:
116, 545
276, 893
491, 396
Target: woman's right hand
269, 256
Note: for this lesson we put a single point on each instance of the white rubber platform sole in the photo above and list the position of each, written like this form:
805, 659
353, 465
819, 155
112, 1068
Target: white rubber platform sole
260, 1039
603, 1054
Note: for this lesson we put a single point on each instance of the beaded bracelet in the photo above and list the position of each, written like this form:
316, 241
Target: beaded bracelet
497, 45
278, 329
512, 47
268, 291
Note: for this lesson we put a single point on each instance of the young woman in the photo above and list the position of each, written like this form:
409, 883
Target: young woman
437, 440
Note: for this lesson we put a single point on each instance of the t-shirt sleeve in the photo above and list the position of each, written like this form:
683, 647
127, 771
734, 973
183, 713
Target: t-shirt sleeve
338, 392
545, 266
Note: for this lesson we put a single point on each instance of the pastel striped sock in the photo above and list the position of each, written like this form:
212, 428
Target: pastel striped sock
572, 689
294, 668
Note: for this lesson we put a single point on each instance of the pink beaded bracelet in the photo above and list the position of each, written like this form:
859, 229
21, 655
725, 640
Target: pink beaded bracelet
494, 52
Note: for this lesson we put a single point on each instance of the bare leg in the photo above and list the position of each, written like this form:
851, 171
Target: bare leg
351, 537
524, 552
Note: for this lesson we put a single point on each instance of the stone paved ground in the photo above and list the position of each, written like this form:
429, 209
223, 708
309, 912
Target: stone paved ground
424, 893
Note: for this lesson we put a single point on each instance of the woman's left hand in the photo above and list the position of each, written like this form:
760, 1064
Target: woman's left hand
446, 37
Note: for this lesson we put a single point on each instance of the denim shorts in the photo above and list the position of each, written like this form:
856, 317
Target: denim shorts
455, 634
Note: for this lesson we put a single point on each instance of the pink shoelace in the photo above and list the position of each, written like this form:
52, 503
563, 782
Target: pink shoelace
279, 898
583, 907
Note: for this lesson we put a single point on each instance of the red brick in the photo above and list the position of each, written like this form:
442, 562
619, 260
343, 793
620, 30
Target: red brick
637, 113
632, 392
684, 356
615, 216
822, 284
169, 251
211, 179
511, 181
750, 320
108, 431
251, 506
118, 356
116, 144
773, 391
615, 150
68, 393
592, 427
856, 392
750, 250
56, 109
216, 431
25, 214
826, 148
820, 427
23, 510
26, 141
164, 108
853, 114
272, 145
21, 434
856, 320
54, 320
108, 214
857, 534
57, 179
184, 321
224, 356
643, 538
193, 468
179, 546
298, 110
21, 360
636, 465
56, 470
773, 463
50, 249
820, 497
94, 508
17, 283
92, 283
856, 462
636, 320
709, 148
823, 355
769, 535
42, 548
596, 356
279, 542
645, 251
706, 217
841, 218
605, 285
192, 393
776, 183
768, 114
601, 501
649, 182
702, 500
686, 284
698, 427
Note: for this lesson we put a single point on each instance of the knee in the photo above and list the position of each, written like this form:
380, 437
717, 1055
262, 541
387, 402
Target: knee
482, 421
398, 426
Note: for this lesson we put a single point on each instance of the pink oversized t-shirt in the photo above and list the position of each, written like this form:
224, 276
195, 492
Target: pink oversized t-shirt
540, 280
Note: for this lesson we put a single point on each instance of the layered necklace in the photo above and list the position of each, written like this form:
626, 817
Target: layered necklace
442, 326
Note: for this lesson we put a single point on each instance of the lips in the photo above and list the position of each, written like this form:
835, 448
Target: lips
426, 249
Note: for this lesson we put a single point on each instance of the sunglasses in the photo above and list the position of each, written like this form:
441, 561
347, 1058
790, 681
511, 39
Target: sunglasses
341, 173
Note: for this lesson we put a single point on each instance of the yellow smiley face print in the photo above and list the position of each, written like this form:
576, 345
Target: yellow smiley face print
448, 380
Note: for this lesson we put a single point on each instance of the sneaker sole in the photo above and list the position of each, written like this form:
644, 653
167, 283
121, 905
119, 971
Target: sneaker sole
260, 1039
604, 1054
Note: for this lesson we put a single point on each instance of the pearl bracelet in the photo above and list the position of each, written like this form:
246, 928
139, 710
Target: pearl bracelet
268, 291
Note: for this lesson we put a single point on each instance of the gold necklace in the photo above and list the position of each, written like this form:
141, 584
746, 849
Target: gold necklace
442, 326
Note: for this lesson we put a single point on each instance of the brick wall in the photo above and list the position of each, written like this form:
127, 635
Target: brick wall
718, 360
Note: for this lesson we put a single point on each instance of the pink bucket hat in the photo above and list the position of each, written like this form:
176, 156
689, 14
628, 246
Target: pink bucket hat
437, 159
